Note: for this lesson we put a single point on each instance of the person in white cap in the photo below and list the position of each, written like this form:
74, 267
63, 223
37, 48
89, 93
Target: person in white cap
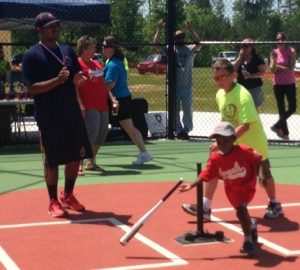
237, 166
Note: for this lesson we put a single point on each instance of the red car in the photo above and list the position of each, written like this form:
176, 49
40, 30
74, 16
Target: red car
154, 63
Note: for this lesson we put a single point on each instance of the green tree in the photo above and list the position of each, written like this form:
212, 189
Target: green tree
156, 12
210, 26
250, 18
126, 19
218, 7
201, 3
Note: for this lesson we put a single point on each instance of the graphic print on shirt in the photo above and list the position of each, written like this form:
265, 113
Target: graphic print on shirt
234, 173
94, 74
229, 113
181, 60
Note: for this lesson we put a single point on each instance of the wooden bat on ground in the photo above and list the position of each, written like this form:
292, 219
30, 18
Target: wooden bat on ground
139, 224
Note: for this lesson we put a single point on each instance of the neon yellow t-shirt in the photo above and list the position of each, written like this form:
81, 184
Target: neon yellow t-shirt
237, 107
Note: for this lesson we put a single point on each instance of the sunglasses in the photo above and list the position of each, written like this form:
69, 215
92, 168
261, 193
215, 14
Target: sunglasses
280, 39
221, 77
107, 46
245, 46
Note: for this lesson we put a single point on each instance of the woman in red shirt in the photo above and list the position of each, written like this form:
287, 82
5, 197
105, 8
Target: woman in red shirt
92, 97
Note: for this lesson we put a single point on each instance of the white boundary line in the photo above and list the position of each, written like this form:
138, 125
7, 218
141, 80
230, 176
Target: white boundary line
7, 262
253, 207
174, 259
264, 241
51, 223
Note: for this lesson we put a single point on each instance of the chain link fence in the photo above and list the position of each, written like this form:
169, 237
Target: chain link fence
221, 25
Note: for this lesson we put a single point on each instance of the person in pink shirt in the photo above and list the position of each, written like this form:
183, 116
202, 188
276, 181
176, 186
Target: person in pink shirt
93, 99
238, 167
282, 63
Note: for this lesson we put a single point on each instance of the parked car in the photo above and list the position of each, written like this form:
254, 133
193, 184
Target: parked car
229, 55
154, 63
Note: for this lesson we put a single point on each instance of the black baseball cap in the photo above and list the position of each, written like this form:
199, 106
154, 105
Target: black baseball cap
45, 19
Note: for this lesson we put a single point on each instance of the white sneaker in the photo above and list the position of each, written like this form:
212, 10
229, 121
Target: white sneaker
142, 158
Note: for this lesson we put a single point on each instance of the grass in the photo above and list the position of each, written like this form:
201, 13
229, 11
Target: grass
153, 88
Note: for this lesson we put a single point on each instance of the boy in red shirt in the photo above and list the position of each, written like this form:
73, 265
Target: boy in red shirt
237, 166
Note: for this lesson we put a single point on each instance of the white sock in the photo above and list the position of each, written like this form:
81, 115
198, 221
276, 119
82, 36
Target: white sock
206, 203
248, 238
274, 200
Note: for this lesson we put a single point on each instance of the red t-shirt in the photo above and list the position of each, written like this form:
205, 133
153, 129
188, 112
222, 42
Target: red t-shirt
238, 169
93, 92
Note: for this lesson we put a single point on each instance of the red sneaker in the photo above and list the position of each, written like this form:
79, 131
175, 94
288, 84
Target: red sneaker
69, 201
55, 209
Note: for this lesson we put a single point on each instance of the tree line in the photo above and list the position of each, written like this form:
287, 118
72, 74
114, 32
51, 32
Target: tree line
134, 23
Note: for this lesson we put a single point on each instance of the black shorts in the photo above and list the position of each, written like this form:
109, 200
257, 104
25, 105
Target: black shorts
125, 108
65, 144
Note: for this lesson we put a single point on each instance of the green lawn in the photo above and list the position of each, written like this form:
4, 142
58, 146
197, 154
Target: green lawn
153, 88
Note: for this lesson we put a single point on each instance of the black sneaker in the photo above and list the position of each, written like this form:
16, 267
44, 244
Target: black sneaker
273, 210
183, 135
248, 248
192, 210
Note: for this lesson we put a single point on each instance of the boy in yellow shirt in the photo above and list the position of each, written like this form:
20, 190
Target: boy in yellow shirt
237, 107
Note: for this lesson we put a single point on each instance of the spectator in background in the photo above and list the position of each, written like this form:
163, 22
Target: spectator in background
4, 68
115, 77
185, 55
282, 64
16, 61
92, 98
250, 67
51, 72
6, 112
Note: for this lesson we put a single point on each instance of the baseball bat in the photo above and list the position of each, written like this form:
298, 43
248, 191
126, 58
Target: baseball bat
139, 224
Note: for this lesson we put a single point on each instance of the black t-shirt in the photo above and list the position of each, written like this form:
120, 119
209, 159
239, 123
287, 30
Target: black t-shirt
58, 106
251, 67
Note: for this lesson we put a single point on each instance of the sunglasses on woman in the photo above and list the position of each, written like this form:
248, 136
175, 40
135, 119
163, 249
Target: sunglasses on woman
107, 46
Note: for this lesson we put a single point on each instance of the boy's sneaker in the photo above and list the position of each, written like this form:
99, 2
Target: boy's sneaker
254, 235
55, 209
273, 210
192, 210
69, 201
248, 248
142, 158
